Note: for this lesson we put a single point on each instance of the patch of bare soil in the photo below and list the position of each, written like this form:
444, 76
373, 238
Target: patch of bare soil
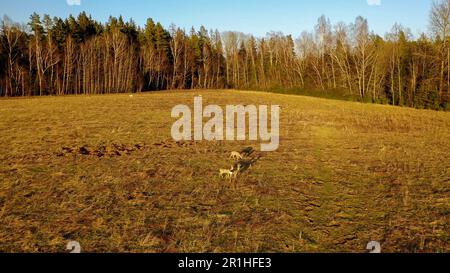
109, 150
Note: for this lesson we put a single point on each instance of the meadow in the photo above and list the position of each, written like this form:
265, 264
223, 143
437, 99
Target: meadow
104, 171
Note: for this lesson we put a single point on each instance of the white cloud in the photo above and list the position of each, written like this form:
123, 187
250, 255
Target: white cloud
374, 2
73, 2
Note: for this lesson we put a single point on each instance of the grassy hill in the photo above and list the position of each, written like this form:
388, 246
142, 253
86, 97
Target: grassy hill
104, 171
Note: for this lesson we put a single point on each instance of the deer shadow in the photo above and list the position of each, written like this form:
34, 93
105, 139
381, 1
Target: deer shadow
247, 151
248, 161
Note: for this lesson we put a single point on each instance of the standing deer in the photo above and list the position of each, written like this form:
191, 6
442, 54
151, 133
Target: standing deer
225, 173
236, 156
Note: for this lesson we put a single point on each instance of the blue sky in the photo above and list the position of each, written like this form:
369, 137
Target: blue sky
249, 16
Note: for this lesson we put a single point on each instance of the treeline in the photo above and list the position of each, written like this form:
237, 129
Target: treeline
54, 56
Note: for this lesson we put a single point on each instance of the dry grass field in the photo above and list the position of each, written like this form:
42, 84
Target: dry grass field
104, 171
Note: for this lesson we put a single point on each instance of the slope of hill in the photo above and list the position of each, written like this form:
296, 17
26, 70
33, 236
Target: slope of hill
104, 171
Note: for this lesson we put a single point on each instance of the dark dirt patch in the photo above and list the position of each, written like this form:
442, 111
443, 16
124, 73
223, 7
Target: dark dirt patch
109, 150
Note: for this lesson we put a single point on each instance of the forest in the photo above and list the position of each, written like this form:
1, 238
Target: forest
79, 55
